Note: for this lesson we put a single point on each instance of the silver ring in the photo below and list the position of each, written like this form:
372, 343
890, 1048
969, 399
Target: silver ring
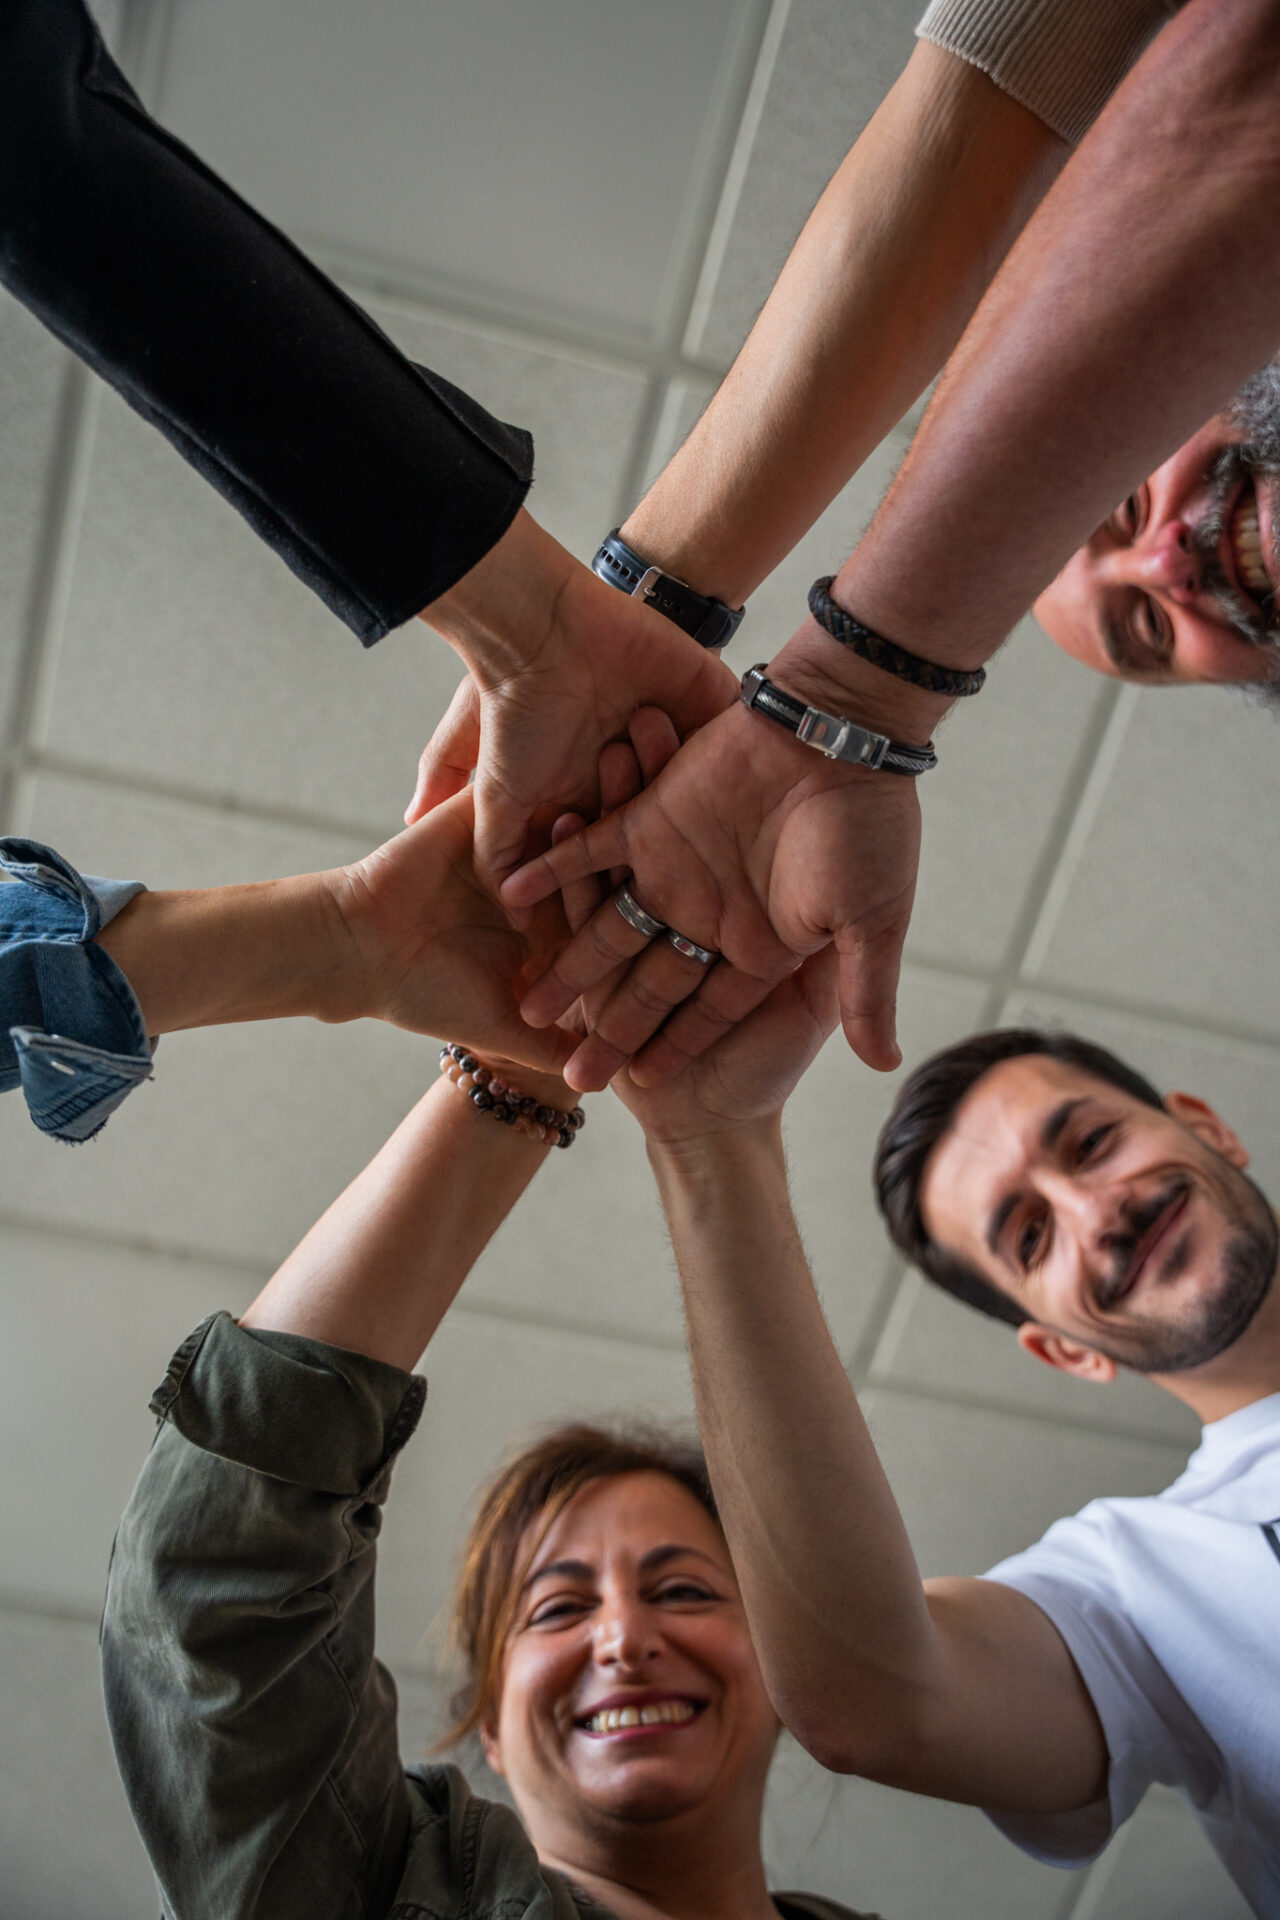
690, 948
635, 916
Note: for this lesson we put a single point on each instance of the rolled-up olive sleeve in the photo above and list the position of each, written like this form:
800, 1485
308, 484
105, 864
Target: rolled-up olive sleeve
255, 1731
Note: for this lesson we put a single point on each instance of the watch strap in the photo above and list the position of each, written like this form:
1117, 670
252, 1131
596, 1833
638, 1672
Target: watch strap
829, 733
710, 622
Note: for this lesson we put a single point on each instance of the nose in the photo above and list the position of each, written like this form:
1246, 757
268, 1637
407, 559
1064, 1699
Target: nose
1089, 1210
625, 1634
1163, 560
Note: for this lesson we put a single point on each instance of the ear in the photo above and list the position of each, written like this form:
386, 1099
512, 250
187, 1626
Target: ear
1199, 1118
1066, 1356
492, 1747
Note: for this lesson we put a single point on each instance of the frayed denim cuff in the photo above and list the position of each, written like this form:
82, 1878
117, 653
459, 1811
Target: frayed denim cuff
71, 1030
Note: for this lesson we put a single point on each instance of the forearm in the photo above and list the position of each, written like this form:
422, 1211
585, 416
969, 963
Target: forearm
831, 1585
1140, 295
379, 1270
376, 481
209, 956
875, 294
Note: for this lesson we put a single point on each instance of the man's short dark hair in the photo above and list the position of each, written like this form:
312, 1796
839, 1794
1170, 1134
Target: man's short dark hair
922, 1112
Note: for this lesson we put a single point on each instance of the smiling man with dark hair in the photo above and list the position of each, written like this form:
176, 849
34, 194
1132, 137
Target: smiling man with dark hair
1042, 1180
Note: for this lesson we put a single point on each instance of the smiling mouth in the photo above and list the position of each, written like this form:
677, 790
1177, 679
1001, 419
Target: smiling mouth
1141, 1258
1245, 538
655, 1713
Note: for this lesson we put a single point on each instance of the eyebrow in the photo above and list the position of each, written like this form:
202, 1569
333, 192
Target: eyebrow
1050, 1134
580, 1570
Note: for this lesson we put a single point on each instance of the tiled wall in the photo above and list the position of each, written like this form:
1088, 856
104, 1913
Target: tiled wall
573, 209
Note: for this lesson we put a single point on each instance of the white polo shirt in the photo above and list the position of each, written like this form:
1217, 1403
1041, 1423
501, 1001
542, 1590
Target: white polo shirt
1171, 1608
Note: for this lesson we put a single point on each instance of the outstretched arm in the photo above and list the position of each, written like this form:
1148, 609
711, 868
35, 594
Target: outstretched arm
1140, 293
267, 1782
943, 1687
873, 297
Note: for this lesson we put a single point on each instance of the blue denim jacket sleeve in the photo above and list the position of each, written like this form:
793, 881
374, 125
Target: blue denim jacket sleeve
71, 1030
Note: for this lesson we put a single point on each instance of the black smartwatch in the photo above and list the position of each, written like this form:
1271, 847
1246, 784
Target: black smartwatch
710, 622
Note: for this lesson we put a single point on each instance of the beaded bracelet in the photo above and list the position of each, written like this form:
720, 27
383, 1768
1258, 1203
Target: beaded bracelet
507, 1103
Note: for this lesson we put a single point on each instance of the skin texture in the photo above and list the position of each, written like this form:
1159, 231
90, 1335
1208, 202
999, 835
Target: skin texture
875, 294
1141, 293
1140, 579
631, 1598
408, 934
1046, 1222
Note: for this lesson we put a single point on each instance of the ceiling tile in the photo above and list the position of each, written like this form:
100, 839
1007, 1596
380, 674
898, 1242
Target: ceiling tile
35, 369
89, 1328
833, 66
540, 156
831, 1126
1162, 1864
67, 1840
192, 655
1174, 900
975, 1486
897, 1853
933, 1342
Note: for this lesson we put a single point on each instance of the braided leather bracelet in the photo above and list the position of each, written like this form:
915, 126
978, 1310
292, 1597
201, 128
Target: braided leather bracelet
887, 654
500, 1100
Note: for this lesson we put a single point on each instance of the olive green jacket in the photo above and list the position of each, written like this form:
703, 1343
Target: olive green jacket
254, 1728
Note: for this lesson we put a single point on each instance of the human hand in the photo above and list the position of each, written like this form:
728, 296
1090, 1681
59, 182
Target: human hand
759, 849
421, 942
558, 663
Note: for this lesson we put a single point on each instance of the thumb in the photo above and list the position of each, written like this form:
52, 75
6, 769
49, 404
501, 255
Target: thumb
869, 971
450, 753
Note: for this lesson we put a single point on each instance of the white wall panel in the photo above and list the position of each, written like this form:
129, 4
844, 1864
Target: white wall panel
542, 155
834, 64
1173, 903
67, 1840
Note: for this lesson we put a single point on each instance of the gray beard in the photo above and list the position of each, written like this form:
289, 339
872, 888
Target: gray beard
1254, 413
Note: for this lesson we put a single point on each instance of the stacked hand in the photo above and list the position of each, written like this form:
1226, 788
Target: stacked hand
748, 1073
558, 664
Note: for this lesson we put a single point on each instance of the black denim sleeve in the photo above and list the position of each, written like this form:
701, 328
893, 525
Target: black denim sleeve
254, 1729
378, 482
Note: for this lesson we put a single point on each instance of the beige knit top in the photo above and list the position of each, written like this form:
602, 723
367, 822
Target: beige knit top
1061, 58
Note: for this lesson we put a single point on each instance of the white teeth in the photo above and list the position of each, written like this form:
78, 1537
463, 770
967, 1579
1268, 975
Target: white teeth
660, 1712
1246, 543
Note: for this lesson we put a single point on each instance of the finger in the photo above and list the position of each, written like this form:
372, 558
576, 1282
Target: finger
621, 779
726, 996
654, 738
502, 829
580, 898
657, 982
604, 943
868, 996
450, 753
598, 847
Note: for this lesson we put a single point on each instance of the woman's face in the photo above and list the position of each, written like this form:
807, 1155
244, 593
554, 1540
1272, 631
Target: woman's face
630, 1686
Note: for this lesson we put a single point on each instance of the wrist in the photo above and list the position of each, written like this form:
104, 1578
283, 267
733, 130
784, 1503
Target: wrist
217, 955
701, 1146
818, 670
497, 616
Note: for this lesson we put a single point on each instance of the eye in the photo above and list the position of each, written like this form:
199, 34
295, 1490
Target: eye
1156, 631
1030, 1240
559, 1610
684, 1591
1128, 517
1093, 1144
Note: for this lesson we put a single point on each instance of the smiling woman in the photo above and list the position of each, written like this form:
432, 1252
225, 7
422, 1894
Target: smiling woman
610, 1673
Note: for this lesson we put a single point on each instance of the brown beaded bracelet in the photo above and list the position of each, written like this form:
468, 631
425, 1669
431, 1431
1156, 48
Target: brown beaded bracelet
503, 1101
